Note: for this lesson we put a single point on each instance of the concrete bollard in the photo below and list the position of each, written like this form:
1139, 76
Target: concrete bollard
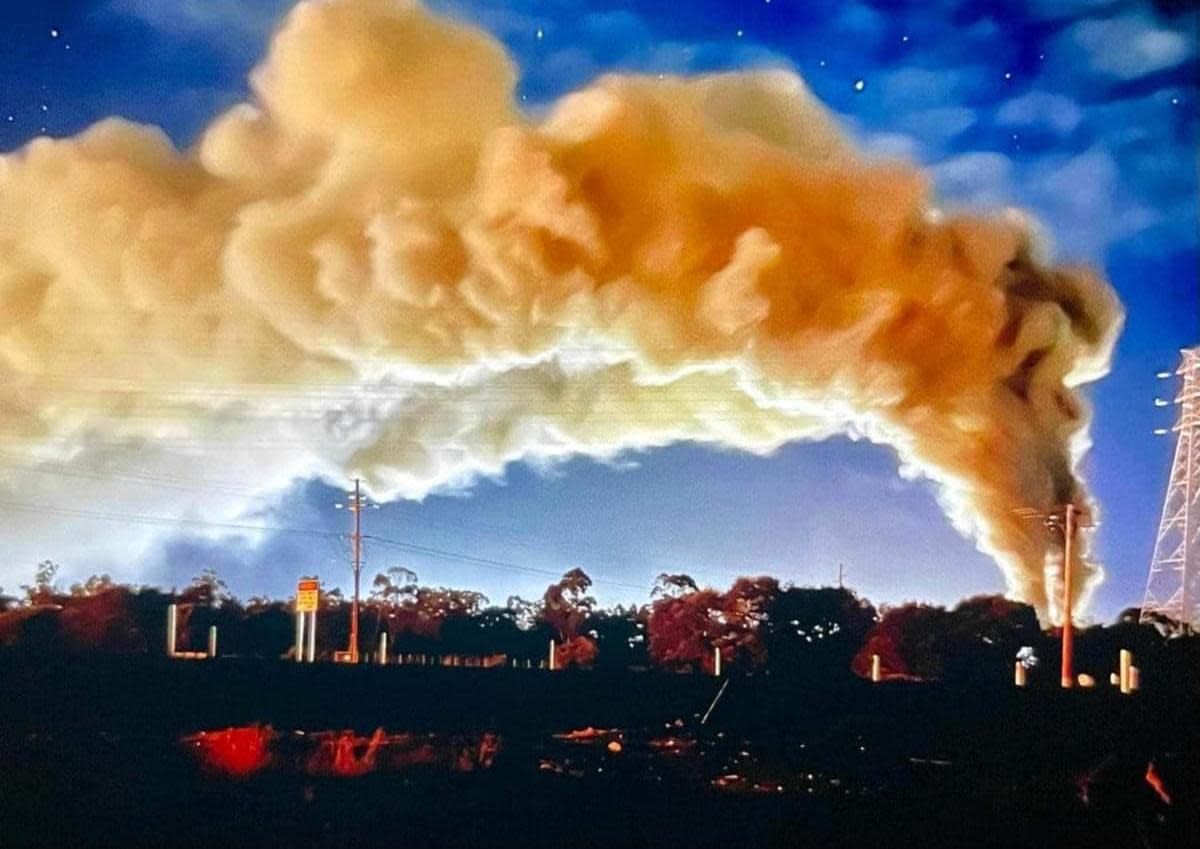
1135, 678
1114, 679
212, 640
717, 662
172, 626
876, 669
553, 660
1019, 674
1126, 663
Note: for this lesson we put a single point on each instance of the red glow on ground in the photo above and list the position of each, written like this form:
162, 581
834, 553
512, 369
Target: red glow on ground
346, 754
234, 751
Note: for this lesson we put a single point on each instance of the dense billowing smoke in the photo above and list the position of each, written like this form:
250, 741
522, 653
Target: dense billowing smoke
381, 267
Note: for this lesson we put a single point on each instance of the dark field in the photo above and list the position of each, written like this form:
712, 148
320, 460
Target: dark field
105, 753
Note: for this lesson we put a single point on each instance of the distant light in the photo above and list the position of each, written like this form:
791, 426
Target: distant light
1159, 402
1008, 75
540, 34
1163, 374
54, 33
1160, 431
859, 85
740, 33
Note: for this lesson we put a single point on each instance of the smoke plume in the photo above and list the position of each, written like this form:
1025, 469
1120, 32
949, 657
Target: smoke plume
379, 266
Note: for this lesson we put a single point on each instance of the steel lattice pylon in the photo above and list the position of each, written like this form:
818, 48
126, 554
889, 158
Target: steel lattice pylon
1173, 587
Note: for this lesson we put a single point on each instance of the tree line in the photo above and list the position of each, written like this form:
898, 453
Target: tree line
756, 625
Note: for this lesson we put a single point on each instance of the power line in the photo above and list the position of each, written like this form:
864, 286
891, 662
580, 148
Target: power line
154, 481
489, 563
149, 519
429, 551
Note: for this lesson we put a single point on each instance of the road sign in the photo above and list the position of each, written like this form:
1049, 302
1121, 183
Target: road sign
307, 594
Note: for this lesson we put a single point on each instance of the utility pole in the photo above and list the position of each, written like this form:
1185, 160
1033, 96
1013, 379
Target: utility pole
1070, 520
1068, 634
355, 503
357, 568
841, 575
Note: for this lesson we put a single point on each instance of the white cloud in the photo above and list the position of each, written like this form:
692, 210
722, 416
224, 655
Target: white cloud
217, 19
1126, 47
980, 180
1041, 110
937, 127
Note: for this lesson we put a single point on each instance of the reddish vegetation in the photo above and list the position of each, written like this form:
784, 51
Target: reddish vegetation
104, 621
345, 754
565, 607
577, 651
234, 751
685, 629
891, 663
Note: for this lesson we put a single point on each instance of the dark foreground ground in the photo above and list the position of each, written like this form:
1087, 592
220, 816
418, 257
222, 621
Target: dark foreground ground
104, 753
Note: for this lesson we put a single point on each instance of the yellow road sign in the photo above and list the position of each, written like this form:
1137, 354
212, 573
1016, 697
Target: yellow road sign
307, 595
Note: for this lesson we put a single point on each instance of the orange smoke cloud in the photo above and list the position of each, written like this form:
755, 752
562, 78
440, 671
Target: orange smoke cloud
381, 266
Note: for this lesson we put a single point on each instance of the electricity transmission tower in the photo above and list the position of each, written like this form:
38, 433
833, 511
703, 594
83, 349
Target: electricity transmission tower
1173, 587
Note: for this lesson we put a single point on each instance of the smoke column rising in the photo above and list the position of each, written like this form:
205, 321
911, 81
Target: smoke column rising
381, 267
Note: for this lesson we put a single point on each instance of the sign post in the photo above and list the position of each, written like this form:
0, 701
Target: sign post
308, 596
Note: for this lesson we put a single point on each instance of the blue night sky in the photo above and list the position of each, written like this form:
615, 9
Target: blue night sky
1082, 111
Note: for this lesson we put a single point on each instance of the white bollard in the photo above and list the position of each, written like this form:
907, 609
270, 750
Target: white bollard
212, 640
1126, 663
551, 664
717, 662
876, 669
172, 626
312, 636
1135, 678
299, 638
383, 658
1019, 674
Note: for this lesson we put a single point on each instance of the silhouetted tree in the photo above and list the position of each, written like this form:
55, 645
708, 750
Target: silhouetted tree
985, 633
42, 590
816, 630
524, 612
207, 589
620, 637
673, 586
94, 585
912, 640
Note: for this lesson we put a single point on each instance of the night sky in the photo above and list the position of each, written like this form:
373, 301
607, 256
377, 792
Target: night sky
1082, 111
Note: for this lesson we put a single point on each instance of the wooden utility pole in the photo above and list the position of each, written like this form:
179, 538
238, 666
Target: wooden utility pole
1068, 634
357, 508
